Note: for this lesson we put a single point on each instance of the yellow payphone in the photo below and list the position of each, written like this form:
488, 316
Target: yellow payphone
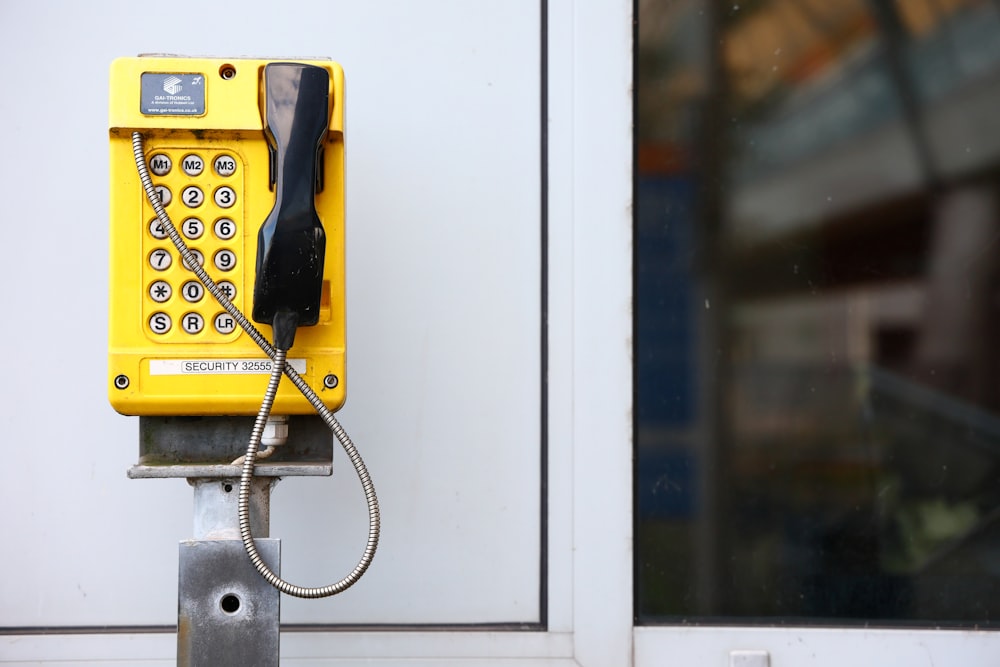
227, 196
226, 144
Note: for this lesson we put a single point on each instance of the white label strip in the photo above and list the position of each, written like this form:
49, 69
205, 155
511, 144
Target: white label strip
218, 366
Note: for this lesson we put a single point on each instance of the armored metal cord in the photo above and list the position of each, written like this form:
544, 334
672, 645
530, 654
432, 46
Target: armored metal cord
278, 368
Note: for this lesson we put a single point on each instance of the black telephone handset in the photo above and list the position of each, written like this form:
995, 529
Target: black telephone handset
291, 243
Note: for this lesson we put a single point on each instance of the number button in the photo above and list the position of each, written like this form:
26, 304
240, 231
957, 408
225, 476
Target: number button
163, 192
192, 196
225, 260
193, 228
160, 323
193, 291
198, 257
156, 229
160, 291
224, 323
160, 164
225, 165
225, 228
192, 165
227, 288
160, 260
225, 197
193, 323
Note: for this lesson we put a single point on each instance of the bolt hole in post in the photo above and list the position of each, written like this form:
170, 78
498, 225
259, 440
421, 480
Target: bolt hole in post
227, 487
230, 603
227, 72
121, 382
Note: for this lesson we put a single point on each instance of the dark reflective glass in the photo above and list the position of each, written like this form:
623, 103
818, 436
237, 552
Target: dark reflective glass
817, 258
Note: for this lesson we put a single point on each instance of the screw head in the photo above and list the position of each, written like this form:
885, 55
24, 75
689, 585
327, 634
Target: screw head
331, 381
121, 382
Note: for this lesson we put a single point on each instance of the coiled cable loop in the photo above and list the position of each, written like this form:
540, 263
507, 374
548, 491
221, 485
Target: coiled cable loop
279, 367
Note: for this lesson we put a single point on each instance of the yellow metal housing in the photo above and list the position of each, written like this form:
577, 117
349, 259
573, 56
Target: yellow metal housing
168, 352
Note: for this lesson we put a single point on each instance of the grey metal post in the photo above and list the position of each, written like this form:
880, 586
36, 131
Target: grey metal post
227, 614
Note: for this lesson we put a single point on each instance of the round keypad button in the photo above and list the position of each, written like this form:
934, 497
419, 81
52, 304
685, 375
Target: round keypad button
156, 229
224, 165
225, 197
192, 323
160, 323
193, 228
193, 291
192, 165
224, 323
160, 260
163, 192
192, 196
224, 228
227, 288
224, 260
160, 164
198, 257
160, 291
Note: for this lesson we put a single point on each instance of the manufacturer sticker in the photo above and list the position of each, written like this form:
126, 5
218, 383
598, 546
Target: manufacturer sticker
172, 94
218, 366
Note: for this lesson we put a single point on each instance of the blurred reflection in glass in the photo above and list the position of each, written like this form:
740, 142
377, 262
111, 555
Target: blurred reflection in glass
818, 311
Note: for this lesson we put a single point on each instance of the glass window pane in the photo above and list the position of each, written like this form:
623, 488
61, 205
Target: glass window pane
817, 258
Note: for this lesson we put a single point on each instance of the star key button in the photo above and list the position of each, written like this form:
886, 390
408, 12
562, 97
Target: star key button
160, 291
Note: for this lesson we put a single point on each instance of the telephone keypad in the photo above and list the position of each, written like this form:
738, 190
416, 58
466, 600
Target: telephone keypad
174, 293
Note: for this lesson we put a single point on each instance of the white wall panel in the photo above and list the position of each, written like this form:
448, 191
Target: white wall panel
444, 315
